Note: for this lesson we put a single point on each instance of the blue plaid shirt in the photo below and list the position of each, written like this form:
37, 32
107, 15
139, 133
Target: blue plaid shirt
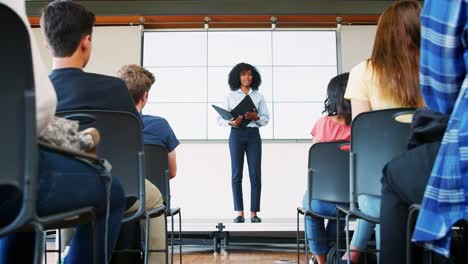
444, 84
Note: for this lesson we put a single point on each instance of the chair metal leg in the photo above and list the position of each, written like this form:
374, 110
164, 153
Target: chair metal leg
465, 241
409, 230
180, 237
39, 243
60, 245
45, 248
337, 242
297, 238
95, 242
165, 236
172, 239
306, 240
146, 249
348, 251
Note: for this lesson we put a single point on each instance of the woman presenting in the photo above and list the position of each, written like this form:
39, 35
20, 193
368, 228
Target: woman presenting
244, 80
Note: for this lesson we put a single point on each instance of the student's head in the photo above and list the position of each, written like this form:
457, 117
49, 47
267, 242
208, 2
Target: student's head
67, 27
246, 75
395, 56
336, 104
139, 82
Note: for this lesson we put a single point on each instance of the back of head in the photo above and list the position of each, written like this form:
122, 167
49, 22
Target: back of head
64, 24
336, 104
138, 80
395, 56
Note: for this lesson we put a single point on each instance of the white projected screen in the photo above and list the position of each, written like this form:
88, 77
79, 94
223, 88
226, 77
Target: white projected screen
192, 67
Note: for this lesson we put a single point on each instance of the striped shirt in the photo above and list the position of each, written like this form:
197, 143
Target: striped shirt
444, 84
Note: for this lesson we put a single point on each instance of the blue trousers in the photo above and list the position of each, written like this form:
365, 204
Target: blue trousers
65, 184
318, 236
369, 205
246, 141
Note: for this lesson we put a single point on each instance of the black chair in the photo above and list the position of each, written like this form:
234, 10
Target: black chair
157, 172
18, 157
376, 137
327, 180
122, 144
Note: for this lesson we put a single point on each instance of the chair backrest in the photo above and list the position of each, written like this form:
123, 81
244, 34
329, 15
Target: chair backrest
18, 158
121, 144
329, 172
157, 170
376, 137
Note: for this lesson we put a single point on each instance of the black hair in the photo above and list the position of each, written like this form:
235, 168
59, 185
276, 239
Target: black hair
234, 76
65, 23
336, 104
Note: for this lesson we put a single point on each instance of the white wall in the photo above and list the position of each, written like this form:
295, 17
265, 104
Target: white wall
112, 48
202, 187
203, 184
356, 45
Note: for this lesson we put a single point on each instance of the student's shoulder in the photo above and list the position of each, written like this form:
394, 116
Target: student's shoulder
110, 80
322, 121
154, 120
363, 68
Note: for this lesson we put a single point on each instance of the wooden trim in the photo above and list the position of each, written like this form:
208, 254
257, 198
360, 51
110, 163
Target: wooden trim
230, 21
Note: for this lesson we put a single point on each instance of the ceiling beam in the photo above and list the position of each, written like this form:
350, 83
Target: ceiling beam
231, 21
223, 7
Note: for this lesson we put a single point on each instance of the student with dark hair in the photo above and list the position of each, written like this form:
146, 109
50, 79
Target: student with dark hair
68, 28
335, 126
58, 177
244, 79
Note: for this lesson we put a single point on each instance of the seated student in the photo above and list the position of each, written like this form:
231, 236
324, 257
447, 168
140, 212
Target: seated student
156, 131
332, 127
415, 176
58, 175
389, 79
68, 28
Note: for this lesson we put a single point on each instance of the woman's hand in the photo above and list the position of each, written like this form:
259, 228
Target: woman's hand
252, 116
235, 122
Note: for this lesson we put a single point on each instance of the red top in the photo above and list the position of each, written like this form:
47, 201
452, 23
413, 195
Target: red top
327, 130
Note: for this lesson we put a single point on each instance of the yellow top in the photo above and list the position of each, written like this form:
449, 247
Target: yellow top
362, 85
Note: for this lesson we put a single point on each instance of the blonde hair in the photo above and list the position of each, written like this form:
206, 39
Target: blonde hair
138, 79
395, 56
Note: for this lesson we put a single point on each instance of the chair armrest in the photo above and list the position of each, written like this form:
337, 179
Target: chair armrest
301, 210
305, 211
68, 219
173, 211
157, 211
344, 209
357, 213
415, 207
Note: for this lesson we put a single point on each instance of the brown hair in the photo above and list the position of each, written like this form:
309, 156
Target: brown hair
395, 56
138, 80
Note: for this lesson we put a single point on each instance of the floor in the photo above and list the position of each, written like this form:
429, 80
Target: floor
230, 258
240, 257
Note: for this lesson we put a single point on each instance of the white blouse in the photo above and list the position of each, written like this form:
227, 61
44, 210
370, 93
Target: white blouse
235, 97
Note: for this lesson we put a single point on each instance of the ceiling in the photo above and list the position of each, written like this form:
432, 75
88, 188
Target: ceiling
223, 7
